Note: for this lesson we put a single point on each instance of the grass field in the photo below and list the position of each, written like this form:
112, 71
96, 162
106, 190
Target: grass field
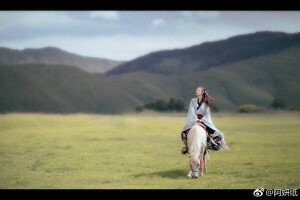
143, 151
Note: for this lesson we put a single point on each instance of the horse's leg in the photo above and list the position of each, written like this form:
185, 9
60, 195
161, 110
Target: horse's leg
201, 170
201, 165
204, 163
189, 175
204, 160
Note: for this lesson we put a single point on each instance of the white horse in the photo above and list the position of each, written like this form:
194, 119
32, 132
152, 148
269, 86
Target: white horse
197, 141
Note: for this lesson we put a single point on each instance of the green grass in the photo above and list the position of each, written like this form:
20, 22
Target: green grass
143, 151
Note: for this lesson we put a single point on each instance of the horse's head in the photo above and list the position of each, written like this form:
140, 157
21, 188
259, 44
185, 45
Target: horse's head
195, 165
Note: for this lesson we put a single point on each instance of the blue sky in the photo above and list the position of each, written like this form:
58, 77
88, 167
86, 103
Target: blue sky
125, 35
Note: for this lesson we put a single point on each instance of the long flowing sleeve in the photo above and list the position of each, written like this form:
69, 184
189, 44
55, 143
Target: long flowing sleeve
207, 120
191, 117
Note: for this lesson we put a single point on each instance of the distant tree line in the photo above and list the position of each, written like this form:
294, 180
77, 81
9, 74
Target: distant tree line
278, 103
162, 105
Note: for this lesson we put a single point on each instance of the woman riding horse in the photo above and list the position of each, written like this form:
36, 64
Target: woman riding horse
199, 111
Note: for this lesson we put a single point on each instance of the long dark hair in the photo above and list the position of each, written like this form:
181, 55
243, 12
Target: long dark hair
206, 97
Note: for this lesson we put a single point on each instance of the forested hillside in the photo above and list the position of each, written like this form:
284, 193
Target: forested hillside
253, 80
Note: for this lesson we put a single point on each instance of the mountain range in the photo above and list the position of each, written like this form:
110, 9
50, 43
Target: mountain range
210, 54
53, 55
245, 69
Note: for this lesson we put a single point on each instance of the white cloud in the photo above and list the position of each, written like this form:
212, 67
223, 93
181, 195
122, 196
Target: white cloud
200, 14
208, 14
12, 22
158, 22
81, 33
34, 18
107, 15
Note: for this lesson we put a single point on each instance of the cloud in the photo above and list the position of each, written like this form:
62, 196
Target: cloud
33, 18
107, 15
158, 22
24, 24
102, 33
30, 24
200, 14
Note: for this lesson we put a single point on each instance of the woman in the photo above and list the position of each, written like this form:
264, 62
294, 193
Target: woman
199, 110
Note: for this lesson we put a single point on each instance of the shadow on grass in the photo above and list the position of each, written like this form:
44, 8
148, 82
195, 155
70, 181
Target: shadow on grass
174, 174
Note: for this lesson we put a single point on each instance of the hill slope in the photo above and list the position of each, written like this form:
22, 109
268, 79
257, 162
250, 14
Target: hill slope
51, 55
257, 80
55, 88
210, 54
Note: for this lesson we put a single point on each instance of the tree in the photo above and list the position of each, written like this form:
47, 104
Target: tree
139, 109
250, 108
159, 105
162, 105
172, 104
279, 103
179, 105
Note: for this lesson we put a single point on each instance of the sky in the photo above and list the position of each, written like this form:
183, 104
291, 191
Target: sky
126, 35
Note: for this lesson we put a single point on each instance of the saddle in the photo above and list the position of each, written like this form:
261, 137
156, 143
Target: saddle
213, 140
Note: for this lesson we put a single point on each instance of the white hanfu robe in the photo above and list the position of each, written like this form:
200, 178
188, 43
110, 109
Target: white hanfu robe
206, 119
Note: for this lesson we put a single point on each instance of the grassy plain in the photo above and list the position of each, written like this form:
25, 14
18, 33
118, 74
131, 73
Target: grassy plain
142, 151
